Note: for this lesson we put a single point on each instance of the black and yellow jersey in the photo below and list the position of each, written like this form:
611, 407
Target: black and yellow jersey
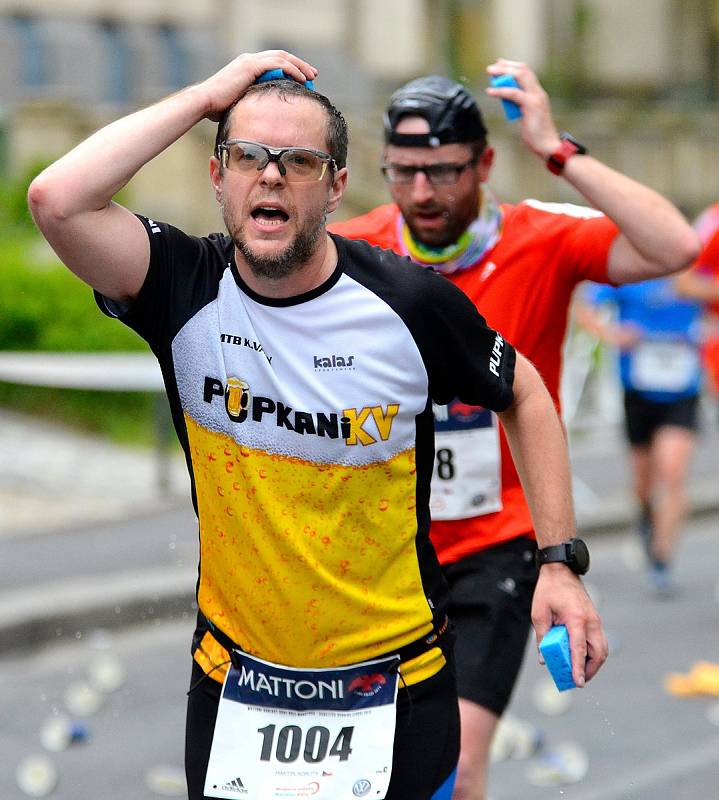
308, 430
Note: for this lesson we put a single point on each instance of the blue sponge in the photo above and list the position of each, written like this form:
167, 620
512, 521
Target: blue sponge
511, 110
279, 75
554, 647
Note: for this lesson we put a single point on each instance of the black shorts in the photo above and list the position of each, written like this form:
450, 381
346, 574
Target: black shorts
490, 605
426, 740
642, 417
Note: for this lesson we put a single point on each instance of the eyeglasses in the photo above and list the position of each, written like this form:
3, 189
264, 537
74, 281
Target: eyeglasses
296, 164
436, 174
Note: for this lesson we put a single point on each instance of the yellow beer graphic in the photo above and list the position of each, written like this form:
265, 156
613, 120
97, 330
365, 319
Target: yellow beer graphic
237, 399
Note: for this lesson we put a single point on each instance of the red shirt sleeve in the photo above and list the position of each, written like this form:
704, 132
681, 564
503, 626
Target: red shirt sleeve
378, 227
586, 247
708, 261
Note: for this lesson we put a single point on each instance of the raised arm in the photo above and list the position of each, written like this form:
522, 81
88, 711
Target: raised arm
698, 286
536, 439
590, 317
71, 201
654, 238
700, 282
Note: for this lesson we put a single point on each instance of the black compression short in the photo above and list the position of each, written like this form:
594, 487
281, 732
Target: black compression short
643, 417
426, 746
490, 605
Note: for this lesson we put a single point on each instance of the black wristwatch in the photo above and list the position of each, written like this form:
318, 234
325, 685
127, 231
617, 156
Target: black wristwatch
574, 553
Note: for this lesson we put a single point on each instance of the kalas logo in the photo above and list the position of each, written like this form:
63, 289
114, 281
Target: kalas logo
367, 685
333, 362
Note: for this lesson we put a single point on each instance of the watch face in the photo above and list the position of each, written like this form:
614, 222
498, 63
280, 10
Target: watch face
581, 557
567, 137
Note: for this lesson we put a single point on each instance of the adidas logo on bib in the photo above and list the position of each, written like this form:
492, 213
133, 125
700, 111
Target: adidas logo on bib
235, 785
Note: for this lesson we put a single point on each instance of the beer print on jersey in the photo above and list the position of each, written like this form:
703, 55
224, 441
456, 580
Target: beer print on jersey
298, 469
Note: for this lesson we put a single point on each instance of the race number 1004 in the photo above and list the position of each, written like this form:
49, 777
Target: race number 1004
314, 744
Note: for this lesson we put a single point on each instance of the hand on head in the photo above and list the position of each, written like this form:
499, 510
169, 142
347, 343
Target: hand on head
225, 86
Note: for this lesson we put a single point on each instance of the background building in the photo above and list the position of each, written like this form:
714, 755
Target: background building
636, 81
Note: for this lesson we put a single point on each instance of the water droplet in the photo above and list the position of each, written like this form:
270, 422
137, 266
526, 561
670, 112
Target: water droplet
564, 764
107, 673
82, 700
549, 700
515, 739
167, 781
59, 732
99, 639
36, 775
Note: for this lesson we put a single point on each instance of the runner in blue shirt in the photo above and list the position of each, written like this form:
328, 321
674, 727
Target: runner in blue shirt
658, 336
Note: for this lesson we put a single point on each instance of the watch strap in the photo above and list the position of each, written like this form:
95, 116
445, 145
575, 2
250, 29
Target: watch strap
552, 554
568, 147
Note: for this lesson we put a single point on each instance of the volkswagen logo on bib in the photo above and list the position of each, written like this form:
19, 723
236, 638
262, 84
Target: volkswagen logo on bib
361, 788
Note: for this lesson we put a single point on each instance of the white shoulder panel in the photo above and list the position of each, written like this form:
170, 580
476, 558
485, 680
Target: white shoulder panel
569, 209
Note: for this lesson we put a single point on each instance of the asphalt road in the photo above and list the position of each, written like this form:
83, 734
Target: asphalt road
641, 743
138, 728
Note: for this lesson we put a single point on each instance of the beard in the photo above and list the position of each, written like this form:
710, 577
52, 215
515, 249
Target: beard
454, 226
279, 265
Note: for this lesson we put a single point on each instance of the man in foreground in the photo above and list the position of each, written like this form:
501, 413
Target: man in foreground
301, 370
518, 265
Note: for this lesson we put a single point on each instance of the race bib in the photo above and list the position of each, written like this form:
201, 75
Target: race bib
291, 733
466, 479
664, 366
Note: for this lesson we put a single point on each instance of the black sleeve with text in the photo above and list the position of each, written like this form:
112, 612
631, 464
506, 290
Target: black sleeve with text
182, 276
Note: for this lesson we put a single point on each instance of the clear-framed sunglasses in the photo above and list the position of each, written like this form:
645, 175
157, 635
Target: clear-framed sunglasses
296, 164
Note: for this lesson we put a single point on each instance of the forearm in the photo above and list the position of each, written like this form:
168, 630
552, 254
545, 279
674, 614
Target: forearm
539, 450
588, 318
697, 287
661, 238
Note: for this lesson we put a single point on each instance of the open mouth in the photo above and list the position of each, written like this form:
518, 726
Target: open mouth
269, 215
427, 212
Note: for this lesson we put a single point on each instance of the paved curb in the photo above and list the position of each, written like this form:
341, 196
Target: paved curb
69, 609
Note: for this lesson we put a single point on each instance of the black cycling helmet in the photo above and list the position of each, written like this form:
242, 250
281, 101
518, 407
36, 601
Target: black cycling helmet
450, 110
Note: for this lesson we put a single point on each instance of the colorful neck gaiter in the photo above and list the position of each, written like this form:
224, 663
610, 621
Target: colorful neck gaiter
468, 250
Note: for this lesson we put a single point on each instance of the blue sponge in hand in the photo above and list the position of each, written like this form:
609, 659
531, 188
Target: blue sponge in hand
554, 648
279, 75
512, 111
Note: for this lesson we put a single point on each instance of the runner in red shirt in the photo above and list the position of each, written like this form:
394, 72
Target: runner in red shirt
701, 283
519, 265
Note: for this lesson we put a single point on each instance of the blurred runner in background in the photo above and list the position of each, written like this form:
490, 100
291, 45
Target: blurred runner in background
658, 335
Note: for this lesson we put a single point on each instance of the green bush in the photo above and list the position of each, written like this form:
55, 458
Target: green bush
46, 308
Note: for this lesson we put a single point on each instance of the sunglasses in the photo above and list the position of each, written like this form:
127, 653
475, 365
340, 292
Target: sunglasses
295, 164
